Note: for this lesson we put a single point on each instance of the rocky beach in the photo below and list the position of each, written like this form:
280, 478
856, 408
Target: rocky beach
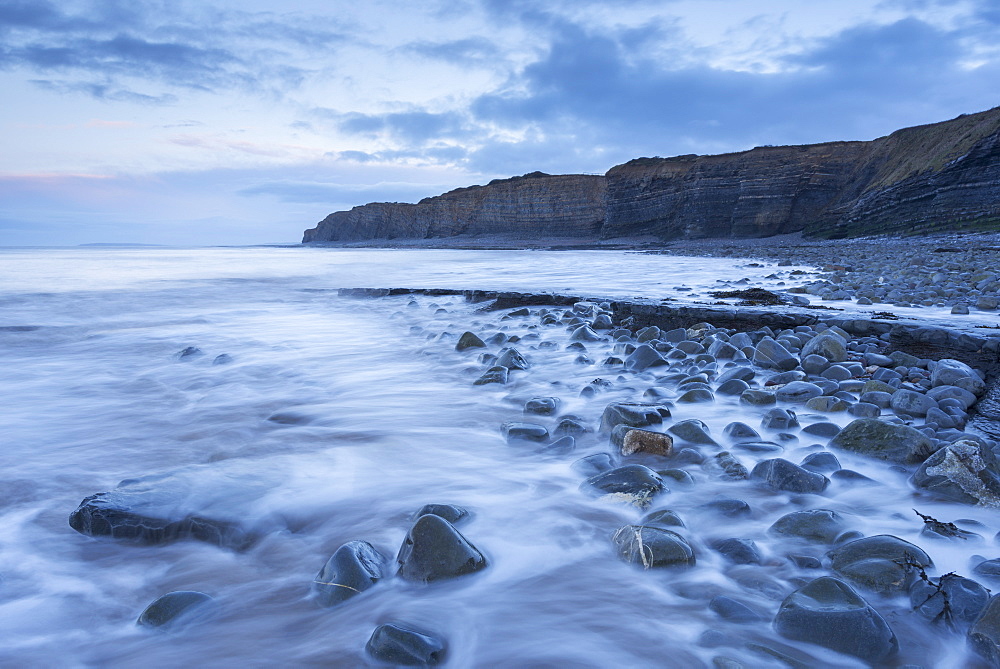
809, 470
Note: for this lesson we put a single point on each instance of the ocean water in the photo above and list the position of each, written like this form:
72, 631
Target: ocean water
335, 420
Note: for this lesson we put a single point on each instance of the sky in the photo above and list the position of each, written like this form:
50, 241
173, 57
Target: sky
245, 122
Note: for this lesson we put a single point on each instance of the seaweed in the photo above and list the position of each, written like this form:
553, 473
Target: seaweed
751, 297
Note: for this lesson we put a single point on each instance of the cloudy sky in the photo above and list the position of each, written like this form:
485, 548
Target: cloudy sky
235, 122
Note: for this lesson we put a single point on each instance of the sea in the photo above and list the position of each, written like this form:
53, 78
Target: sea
320, 419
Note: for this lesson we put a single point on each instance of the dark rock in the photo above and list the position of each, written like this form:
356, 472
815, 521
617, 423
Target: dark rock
779, 419
662, 518
883, 563
731, 508
806, 561
635, 484
222, 359
449, 512
733, 387
951, 599
403, 646
732, 469
183, 606
831, 346
739, 551
542, 406
196, 503
560, 446
696, 395
572, 426
693, 431
511, 359
770, 354
822, 429
643, 358
741, 432
821, 462
434, 550
851, 477
820, 525
632, 414
190, 353
988, 570
781, 474
352, 569
497, 374
755, 397
829, 613
469, 340
653, 547
759, 446
514, 431
594, 464
798, 392
885, 441
963, 471
734, 610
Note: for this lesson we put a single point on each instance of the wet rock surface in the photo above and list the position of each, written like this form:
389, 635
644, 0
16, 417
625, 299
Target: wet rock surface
402, 645
177, 608
434, 550
353, 568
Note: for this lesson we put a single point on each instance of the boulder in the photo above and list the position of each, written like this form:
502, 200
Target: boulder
984, 635
951, 599
883, 563
781, 474
738, 551
819, 525
469, 340
829, 613
798, 392
734, 611
542, 406
693, 431
449, 512
885, 441
741, 432
634, 484
497, 374
911, 403
653, 547
515, 431
352, 569
948, 372
632, 414
173, 608
771, 355
963, 471
779, 419
831, 346
644, 357
434, 550
402, 645
511, 359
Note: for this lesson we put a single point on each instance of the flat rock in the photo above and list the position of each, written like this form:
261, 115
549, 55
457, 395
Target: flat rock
884, 441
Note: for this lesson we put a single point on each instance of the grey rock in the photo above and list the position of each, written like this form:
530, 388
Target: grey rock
469, 340
779, 419
883, 563
542, 406
453, 514
770, 354
864, 410
818, 525
511, 359
831, 346
798, 392
963, 471
497, 374
632, 414
732, 469
738, 551
174, 608
643, 358
662, 518
585, 333
634, 484
515, 431
950, 599
821, 462
434, 550
945, 392
630, 440
948, 372
822, 429
693, 431
829, 613
353, 568
594, 464
734, 610
755, 397
733, 387
912, 403
741, 432
781, 474
696, 395
402, 645
884, 441
653, 547
984, 635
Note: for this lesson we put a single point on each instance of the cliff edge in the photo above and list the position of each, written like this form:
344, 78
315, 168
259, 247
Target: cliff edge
940, 177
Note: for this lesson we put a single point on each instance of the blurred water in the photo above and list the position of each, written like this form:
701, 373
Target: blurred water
377, 416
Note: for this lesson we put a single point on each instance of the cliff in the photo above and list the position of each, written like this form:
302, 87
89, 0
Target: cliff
933, 178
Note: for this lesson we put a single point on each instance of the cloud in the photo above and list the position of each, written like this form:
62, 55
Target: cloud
104, 91
326, 193
459, 52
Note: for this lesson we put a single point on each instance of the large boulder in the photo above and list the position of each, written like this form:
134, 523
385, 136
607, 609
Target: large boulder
831, 346
948, 372
819, 525
885, 441
434, 550
644, 357
963, 471
630, 440
632, 414
653, 547
693, 431
772, 355
951, 599
984, 635
829, 613
352, 569
883, 563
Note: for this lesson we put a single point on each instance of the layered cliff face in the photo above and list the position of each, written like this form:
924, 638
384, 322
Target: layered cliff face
938, 177
535, 205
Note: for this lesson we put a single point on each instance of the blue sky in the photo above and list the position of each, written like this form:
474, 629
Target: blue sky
224, 122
